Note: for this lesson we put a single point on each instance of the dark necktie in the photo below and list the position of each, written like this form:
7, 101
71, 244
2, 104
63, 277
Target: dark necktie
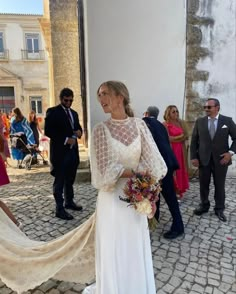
69, 117
68, 114
212, 129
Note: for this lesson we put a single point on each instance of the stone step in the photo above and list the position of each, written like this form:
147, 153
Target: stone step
83, 175
83, 149
83, 172
84, 158
84, 163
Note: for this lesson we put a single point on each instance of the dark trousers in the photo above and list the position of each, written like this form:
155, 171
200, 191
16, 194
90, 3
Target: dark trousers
169, 194
218, 172
64, 178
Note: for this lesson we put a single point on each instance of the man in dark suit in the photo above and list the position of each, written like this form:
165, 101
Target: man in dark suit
210, 152
63, 128
161, 138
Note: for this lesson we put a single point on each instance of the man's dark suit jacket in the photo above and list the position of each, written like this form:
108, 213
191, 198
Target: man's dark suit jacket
58, 128
161, 138
202, 147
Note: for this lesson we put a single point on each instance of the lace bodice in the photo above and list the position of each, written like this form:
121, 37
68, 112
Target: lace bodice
120, 144
125, 140
124, 131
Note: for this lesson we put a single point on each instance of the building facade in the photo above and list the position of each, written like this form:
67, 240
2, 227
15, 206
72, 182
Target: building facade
211, 58
61, 34
167, 52
23, 65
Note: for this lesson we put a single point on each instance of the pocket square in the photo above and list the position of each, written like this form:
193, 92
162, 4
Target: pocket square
224, 127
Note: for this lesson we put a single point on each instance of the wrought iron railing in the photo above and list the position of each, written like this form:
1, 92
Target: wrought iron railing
33, 55
4, 55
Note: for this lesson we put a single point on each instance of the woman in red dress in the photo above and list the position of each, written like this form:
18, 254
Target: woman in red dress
3, 173
178, 137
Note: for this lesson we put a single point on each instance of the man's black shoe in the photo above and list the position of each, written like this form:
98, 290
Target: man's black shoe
172, 234
73, 206
64, 215
221, 216
201, 209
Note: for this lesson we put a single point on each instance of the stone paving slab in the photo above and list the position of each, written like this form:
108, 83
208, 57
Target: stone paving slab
202, 261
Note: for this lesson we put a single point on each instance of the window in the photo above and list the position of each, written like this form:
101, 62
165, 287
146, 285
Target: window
1, 42
32, 43
32, 47
7, 99
36, 104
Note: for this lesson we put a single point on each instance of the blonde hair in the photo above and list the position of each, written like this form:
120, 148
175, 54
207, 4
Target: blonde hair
119, 89
181, 122
34, 118
168, 111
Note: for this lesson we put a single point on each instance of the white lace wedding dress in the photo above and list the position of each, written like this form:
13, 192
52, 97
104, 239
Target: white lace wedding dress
25, 264
123, 251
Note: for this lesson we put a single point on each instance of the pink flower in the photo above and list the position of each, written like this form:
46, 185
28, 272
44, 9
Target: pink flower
141, 192
139, 197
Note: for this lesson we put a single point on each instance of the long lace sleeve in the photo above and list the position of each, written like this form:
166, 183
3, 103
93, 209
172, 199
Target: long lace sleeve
151, 158
105, 166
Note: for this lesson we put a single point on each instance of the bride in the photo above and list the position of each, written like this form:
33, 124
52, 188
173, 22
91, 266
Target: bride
122, 251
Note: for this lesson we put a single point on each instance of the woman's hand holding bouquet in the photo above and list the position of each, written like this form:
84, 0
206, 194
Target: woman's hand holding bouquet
142, 192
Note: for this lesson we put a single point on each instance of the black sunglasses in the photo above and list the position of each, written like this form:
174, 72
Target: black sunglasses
68, 100
208, 107
175, 111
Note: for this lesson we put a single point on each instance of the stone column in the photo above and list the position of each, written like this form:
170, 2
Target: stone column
195, 52
46, 30
65, 49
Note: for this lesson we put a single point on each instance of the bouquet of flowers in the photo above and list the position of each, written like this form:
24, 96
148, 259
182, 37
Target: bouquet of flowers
142, 192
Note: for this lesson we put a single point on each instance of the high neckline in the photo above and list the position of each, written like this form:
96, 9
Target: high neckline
119, 120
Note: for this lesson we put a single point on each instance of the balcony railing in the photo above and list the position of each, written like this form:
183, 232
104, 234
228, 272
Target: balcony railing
33, 55
4, 55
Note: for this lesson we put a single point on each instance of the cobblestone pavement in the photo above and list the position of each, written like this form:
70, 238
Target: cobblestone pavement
202, 261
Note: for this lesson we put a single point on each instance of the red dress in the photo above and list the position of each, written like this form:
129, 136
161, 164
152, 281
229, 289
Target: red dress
3, 173
181, 174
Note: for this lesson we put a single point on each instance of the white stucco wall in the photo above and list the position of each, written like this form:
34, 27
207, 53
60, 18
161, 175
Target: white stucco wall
140, 43
220, 39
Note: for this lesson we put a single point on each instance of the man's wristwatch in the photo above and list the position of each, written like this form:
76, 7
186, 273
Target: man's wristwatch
231, 152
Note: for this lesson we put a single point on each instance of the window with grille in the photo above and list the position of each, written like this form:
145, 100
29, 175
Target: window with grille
36, 104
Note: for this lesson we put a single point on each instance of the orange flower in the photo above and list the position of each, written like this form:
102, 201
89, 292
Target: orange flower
145, 185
